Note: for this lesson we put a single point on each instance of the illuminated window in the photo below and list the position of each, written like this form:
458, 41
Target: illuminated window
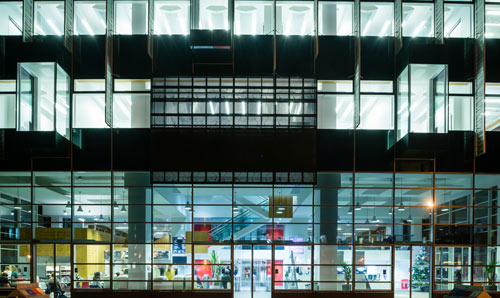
90, 17
11, 18
131, 17
213, 15
418, 19
335, 18
377, 19
172, 17
253, 18
295, 18
49, 18
458, 20
492, 21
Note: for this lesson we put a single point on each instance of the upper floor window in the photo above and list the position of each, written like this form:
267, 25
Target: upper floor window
212, 15
335, 18
458, 20
172, 17
131, 17
492, 106
8, 104
418, 19
253, 17
11, 18
377, 19
460, 106
90, 17
49, 18
492, 21
295, 18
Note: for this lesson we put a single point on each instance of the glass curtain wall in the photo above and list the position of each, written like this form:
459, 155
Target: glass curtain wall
178, 17
344, 233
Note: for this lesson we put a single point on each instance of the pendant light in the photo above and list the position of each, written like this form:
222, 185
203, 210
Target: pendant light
374, 218
101, 217
80, 209
349, 211
68, 206
409, 219
115, 205
401, 207
124, 209
390, 211
358, 207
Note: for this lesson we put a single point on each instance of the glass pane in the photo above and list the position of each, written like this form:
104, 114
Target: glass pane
492, 21
36, 88
418, 19
403, 109
458, 20
7, 110
131, 17
90, 18
427, 100
172, 17
132, 85
295, 18
421, 270
372, 107
335, 111
461, 113
88, 111
492, 107
11, 14
376, 86
377, 19
49, 18
460, 88
89, 85
131, 110
62, 102
253, 18
335, 18
213, 15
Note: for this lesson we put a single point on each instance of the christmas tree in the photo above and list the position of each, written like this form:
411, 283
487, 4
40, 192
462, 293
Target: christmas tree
420, 276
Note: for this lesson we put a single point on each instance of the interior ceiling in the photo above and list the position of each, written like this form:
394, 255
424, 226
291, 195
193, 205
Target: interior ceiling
53, 193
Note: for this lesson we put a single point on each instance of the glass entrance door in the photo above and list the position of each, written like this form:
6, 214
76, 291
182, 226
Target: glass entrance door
412, 269
252, 271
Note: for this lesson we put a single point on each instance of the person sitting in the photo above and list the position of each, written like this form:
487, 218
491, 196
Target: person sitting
53, 286
4, 280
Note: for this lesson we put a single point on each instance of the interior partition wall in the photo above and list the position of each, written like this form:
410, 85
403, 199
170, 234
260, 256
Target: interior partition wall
407, 233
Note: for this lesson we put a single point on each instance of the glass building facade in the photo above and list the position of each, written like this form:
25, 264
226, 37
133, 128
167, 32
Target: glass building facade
347, 231
249, 149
